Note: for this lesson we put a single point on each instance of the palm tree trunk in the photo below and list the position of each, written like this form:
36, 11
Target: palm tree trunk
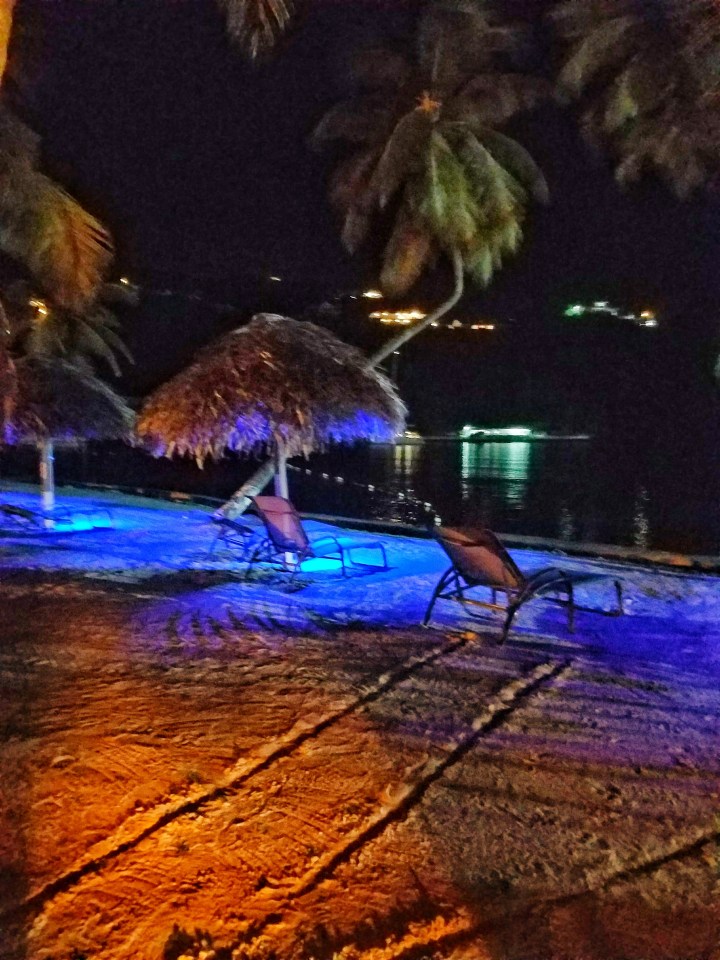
388, 349
47, 479
240, 500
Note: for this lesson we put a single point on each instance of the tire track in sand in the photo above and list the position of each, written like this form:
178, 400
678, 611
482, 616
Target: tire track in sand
508, 699
143, 825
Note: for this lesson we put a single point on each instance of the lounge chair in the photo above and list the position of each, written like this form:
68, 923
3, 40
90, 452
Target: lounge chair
234, 534
44, 521
480, 560
289, 545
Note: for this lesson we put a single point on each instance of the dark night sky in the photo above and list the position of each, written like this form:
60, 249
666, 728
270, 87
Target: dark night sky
198, 162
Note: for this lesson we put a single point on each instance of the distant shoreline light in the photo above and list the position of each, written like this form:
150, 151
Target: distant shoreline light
647, 318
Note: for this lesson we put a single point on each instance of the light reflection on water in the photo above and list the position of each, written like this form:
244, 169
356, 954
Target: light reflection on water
650, 493
641, 521
565, 490
506, 462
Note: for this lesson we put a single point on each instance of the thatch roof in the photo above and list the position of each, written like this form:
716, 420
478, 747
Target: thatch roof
274, 379
57, 401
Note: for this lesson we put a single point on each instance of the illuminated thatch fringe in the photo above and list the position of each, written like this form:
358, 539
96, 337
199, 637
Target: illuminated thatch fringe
57, 401
274, 380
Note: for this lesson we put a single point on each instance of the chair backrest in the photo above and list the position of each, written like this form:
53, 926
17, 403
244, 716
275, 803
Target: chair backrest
282, 523
479, 556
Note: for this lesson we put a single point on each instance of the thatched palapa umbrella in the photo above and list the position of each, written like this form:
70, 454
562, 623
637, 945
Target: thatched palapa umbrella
58, 402
275, 385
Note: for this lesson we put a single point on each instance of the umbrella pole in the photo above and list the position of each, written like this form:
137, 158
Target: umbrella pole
281, 490
281, 480
47, 479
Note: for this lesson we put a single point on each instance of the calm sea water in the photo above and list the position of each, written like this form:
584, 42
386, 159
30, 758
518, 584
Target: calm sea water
653, 493
647, 495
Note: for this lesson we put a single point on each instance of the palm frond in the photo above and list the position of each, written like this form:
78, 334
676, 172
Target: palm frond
256, 24
356, 228
518, 161
448, 204
406, 255
606, 47
95, 345
651, 81
357, 120
403, 155
19, 145
493, 98
350, 183
64, 247
375, 68
455, 41
69, 251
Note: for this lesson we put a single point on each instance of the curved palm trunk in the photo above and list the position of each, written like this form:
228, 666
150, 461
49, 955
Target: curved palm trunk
240, 500
388, 349
47, 479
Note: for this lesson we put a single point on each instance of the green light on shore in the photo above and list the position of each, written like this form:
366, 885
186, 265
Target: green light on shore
574, 310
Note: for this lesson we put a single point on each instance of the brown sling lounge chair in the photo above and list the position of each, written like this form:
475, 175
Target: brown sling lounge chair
288, 544
480, 560
233, 534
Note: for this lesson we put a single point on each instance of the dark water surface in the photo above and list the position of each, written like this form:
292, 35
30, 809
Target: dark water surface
650, 493
646, 495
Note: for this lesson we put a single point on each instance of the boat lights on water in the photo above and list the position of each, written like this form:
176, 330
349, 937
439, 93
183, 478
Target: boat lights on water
469, 432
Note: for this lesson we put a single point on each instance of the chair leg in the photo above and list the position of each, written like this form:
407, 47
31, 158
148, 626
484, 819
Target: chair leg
571, 608
619, 593
254, 557
441, 584
511, 611
214, 544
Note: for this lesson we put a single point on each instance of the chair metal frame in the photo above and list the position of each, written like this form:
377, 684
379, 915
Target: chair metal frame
460, 578
36, 520
280, 546
232, 533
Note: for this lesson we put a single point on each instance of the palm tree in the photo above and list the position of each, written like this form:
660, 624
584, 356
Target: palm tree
41, 329
425, 146
61, 345
64, 247
648, 74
